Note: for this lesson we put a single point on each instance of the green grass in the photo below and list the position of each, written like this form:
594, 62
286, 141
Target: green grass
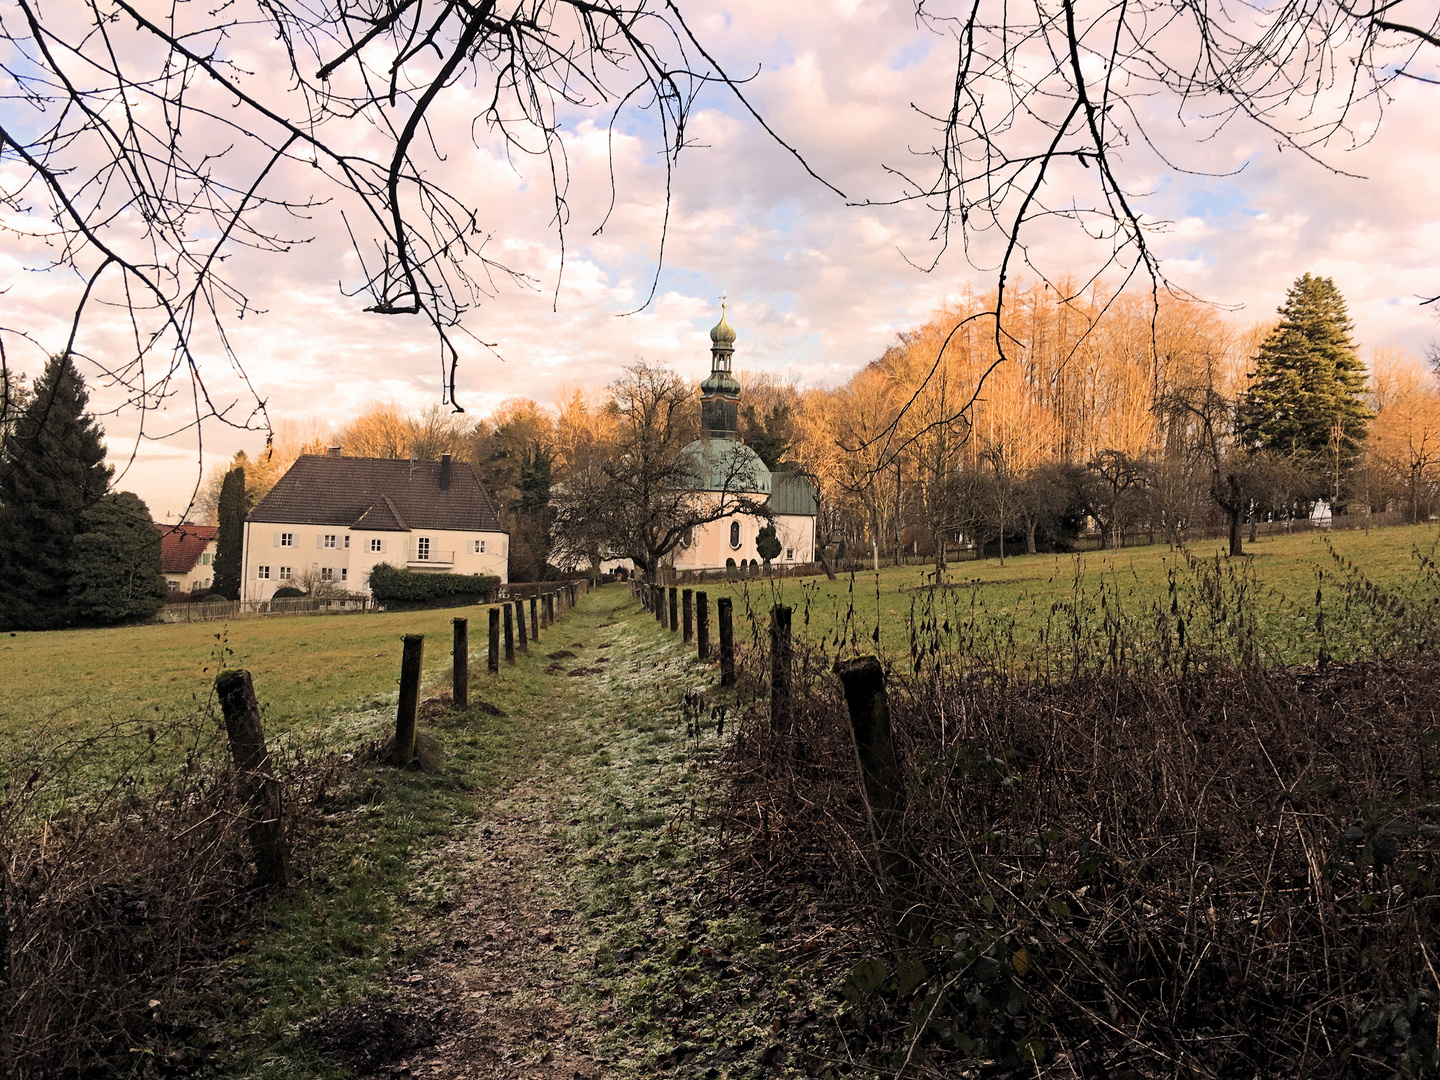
307, 669
1020, 598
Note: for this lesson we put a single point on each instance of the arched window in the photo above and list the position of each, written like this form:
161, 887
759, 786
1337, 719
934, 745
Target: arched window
734, 534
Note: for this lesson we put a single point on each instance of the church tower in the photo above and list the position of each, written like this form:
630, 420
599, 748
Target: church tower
720, 393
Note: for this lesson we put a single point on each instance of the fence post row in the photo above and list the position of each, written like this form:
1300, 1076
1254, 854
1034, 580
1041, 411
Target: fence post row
687, 615
674, 603
460, 676
780, 652
520, 625
258, 785
508, 614
492, 657
727, 642
702, 624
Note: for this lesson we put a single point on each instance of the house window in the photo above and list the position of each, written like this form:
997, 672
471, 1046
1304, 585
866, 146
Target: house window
329, 540
205, 559
173, 586
789, 553
284, 573
327, 574
262, 572
734, 534
347, 541
344, 573
374, 545
422, 548
287, 539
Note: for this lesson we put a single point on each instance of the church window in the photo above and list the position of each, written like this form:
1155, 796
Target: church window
734, 534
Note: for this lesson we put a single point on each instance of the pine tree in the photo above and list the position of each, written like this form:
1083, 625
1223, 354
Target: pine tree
52, 467
1307, 392
115, 572
230, 536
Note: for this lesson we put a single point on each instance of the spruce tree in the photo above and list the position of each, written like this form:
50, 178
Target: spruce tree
230, 537
1307, 392
52, 467
115, 573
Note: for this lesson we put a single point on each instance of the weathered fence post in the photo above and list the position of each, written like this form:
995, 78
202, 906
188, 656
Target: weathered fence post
702, 624
549, 610
687, 616
492, 658
410, 662
460, 677
520, 625
780, 652
674, 614
260, 788
534, 619
508, 613
727, 642
868, 703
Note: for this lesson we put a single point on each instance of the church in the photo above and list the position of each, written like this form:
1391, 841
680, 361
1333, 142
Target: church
724, 463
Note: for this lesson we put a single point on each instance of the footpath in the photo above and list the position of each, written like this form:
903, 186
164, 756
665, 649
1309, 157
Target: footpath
582, 930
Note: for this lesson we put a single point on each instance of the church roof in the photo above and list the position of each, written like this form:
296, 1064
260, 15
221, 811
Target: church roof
728, 465
791, 493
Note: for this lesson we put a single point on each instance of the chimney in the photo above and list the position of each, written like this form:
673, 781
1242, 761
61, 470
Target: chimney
444, 472
332, 451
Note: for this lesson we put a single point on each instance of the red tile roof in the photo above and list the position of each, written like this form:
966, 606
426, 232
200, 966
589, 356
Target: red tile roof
182, 545
378, 494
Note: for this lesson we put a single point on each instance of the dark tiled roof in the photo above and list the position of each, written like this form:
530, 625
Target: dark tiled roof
182, 545
323, 490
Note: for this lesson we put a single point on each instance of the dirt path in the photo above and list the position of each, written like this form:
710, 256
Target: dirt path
515, 973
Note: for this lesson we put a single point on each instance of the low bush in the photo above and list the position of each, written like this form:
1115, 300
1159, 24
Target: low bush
392, 585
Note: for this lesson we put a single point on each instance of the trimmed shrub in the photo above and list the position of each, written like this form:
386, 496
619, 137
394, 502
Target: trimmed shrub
287, 592
393, 585
214, 598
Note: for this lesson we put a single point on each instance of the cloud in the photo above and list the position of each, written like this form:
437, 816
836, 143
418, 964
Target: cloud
817, 287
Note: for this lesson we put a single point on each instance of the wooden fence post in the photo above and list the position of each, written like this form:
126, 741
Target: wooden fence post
492, 657
549, 606
727, 642
702, 624
687, 616
674, 614
534, 620
508, 613
780, 652
410, 662
460, 677
658, 592
520, 625
258, 785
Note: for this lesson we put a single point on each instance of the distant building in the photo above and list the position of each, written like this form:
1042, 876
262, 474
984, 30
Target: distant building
724, 463
332, 518
187, 557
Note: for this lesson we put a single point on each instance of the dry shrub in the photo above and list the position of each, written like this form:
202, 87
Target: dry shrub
121, 879
1205, 868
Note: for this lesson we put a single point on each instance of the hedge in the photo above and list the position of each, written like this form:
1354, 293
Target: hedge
391, 585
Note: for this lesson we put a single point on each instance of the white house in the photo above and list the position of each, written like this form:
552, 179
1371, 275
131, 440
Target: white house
725, 464
334, 518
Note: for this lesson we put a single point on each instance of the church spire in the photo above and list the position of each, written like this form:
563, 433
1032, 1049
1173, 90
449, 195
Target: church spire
720, 393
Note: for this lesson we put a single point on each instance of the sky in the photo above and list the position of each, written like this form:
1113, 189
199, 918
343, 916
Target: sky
817, 286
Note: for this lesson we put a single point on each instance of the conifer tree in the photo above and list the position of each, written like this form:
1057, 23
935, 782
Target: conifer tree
116, 575
230, 536
52, 467
1307, 392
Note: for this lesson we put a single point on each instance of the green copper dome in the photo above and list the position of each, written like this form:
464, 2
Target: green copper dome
723, 334
726, 465
721, 382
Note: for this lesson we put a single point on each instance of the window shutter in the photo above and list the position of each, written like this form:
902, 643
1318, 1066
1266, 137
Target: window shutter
384, 546
318, 540
275, 539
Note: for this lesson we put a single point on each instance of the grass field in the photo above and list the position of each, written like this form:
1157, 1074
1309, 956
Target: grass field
1020, 598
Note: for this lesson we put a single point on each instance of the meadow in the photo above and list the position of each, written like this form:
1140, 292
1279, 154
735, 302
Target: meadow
1018, 607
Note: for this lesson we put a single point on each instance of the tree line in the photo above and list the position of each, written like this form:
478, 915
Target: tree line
1106, 411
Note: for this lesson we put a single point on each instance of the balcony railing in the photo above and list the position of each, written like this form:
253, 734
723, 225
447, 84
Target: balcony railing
431, 557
